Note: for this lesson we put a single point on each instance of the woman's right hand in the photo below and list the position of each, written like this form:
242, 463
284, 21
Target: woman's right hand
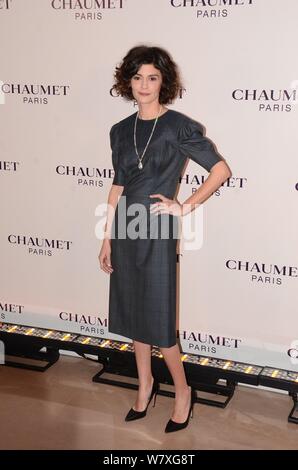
105, 256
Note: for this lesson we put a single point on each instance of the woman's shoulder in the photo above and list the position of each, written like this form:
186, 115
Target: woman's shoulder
184, 119
123, 122
184, 125
119, 128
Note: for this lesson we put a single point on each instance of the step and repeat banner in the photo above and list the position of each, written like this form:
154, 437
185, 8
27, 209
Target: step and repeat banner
238, 285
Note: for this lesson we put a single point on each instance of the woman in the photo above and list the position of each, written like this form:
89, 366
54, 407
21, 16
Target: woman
149, 150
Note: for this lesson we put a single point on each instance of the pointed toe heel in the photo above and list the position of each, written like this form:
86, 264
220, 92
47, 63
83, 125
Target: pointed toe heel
133, 414
173, 426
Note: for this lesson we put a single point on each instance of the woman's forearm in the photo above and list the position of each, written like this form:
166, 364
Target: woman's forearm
113, 198
217, 176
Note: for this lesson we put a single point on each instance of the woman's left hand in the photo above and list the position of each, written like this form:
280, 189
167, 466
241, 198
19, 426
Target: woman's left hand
166, 206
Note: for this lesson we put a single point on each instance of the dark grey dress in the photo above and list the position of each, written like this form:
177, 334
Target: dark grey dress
142, 295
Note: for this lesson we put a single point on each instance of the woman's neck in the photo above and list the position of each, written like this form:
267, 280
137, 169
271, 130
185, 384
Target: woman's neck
150, 111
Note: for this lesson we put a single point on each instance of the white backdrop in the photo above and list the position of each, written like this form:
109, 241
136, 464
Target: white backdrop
238, 291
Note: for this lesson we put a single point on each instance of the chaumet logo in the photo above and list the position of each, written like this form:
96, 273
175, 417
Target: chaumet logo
263, 273
39, 246
211, 8
9, 166
7, 308
293, 352
5, 4
269, 100
197, 179
86, 176
88, 324
33, 93
87, 10
207, 343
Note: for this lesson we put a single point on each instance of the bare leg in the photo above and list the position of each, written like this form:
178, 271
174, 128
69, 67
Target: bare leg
182, 390
143, 359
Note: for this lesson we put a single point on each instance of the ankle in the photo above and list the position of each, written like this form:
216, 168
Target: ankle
182, 391
144, 384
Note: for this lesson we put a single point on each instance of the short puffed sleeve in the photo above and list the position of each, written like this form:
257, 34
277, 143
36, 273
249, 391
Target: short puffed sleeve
194, 145
119, 176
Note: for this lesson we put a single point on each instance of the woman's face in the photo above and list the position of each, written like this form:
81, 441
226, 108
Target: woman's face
146, 84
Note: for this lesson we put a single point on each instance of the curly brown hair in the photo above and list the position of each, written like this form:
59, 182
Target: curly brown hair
161, 59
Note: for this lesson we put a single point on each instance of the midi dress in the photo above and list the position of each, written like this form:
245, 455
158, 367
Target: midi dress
143, 284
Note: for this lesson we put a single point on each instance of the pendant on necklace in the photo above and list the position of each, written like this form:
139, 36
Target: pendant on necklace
140, 165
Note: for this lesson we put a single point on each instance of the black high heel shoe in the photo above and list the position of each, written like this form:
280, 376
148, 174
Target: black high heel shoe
173, 426
133, 414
